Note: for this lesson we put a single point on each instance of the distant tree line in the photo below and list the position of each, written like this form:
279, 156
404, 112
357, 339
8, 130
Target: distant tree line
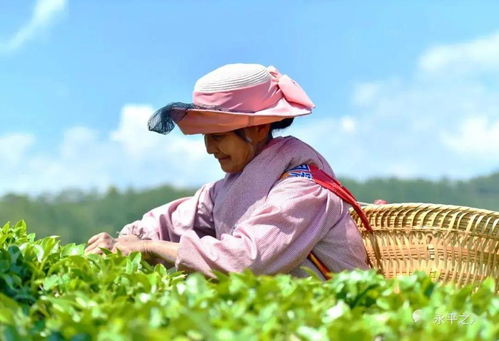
75, 215
479, 192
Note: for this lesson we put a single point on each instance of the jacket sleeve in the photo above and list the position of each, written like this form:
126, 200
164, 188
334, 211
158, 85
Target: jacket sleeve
275, 238
170, 221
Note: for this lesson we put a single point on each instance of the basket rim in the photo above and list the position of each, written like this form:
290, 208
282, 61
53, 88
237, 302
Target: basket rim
420, 205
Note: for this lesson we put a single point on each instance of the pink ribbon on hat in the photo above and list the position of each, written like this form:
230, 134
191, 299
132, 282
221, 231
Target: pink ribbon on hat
291, 90
258, 97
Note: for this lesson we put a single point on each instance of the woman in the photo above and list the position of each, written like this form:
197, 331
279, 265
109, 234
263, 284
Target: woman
270, 213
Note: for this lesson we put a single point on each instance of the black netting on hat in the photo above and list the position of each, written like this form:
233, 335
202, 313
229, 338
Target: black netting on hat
164, 119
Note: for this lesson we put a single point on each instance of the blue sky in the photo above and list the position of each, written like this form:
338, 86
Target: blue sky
406, 89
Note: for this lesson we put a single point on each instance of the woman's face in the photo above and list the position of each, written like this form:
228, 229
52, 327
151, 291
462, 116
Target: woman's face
232, 151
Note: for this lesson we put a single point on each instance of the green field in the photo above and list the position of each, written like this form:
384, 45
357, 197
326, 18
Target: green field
53, 291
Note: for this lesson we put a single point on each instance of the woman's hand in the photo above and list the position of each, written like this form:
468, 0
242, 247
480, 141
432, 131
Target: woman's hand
128, 245
105, 241
153, 251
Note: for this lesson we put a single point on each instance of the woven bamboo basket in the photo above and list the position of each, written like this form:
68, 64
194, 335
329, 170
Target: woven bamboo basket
450, 243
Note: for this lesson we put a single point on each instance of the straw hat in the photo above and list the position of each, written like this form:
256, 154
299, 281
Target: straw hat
234, 96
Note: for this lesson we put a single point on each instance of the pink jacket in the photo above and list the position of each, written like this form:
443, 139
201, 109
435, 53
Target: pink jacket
255, 220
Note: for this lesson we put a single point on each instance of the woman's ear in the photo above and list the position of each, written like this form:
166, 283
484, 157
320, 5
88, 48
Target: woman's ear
258, 133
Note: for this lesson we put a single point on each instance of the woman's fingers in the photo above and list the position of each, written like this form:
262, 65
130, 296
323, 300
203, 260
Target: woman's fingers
106, 236
125, 244
96, 248
100, 236
101, 240
93, 250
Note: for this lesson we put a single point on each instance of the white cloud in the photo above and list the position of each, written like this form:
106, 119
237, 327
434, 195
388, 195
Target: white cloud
44, 13
480, 55
348, 124
365, 93
136, 142
77, 139
428, 125
476, 135
128, 156
442, 121
13, 148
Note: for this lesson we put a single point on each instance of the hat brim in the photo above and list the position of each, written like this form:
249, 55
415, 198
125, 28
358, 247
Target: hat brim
192, 119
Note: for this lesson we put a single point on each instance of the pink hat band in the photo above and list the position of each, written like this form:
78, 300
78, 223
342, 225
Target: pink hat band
232, 97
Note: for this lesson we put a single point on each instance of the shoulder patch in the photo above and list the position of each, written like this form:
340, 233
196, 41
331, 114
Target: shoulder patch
301, 171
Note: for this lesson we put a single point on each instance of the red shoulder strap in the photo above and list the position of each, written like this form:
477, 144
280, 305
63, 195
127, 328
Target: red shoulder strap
337, 188
326, 181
